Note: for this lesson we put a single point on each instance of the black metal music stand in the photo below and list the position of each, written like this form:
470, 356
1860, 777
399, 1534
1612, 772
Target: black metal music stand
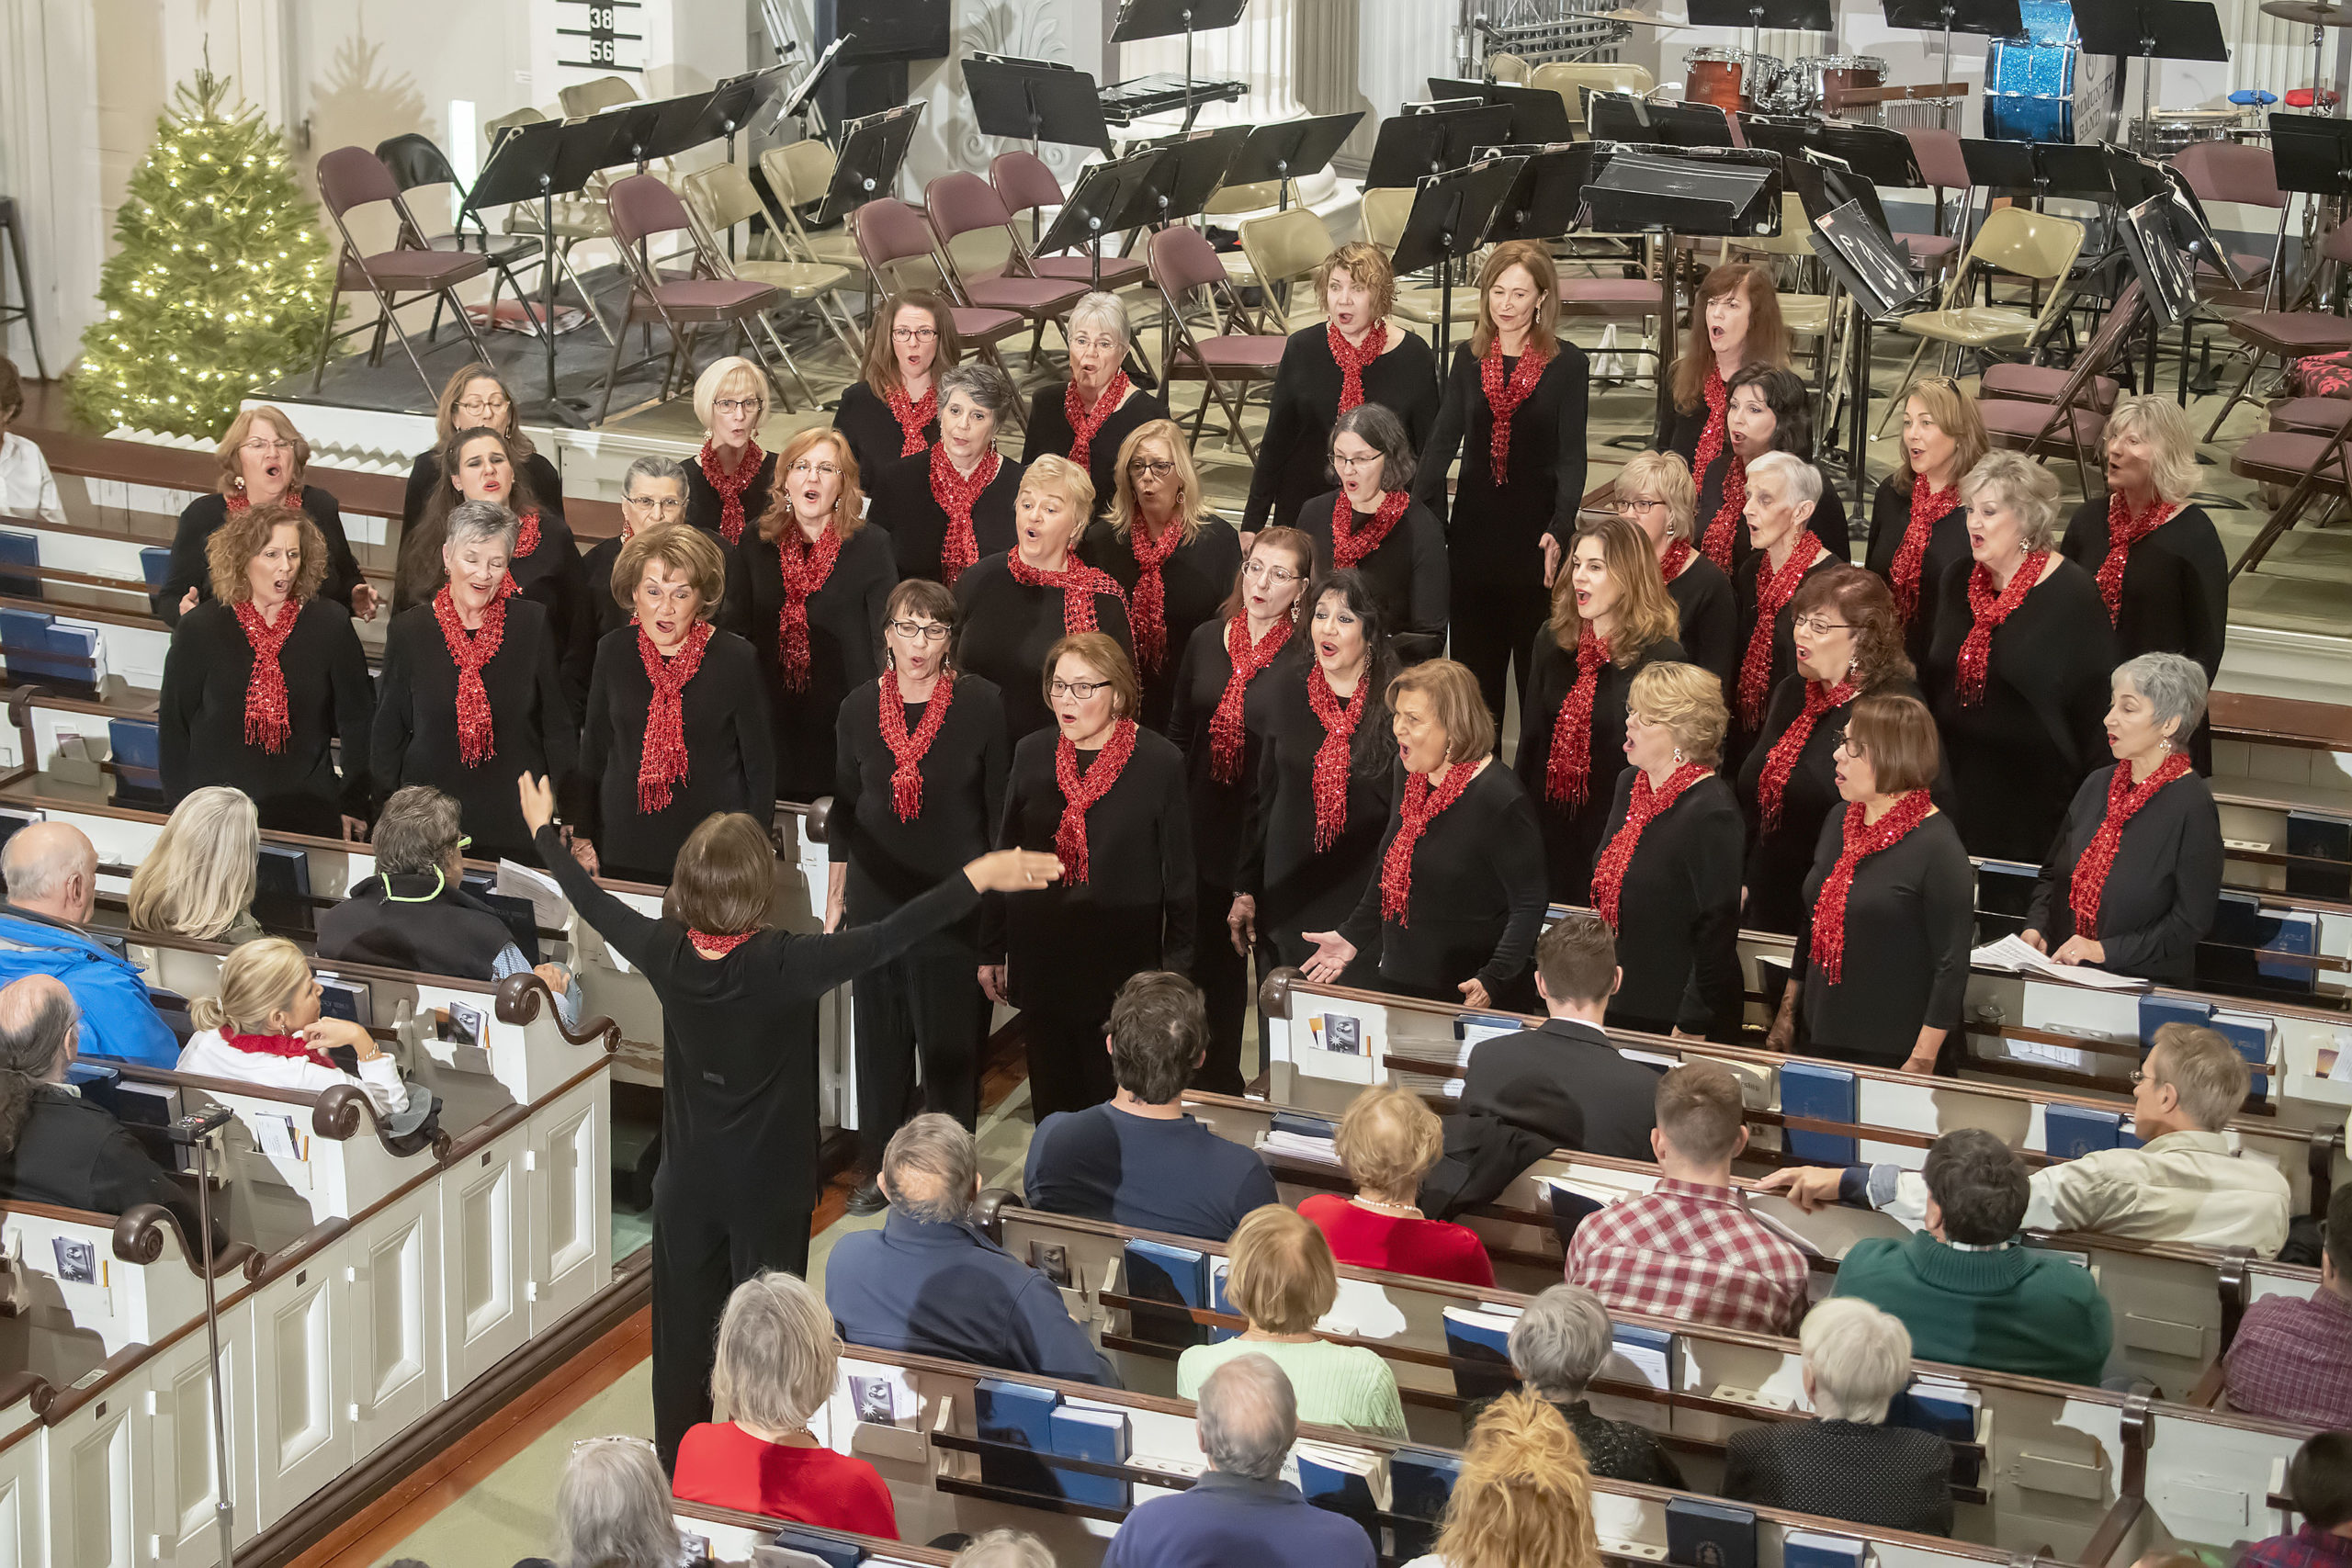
1991, 18
1414, 146
1549, 193
2153, 30
1141, 20
1799, 16
635, 132
1628, 117
2312, 156
1291, 150
1035, 101
1537, 114
801, 102
1861, 258
1199, 161
529, 163
1878, 153
1451, 215
1999, 166
1104, 195
873, 148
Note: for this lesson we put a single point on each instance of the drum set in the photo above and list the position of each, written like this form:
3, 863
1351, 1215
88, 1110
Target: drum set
1737, 80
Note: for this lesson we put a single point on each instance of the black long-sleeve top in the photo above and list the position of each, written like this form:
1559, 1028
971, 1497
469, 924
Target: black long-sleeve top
1291, 454
1495, 533
1707, 612
872, 431
1909, 915
1947, 546
424, 477
1070, 947
1049, 430
1004, 629
724, 718
1195, 581
890, 861
1826, 521
1679, 432
202, 518
554, 577
1677, 913
1217, 808
1477, 895
2018, 755
902, 503
704, 510
1409, 574
201, 717
2161, 891
844, 645
1784, 641
600, 614
1778, 857
415, 740
2176, 596
1572, 834
1299, 888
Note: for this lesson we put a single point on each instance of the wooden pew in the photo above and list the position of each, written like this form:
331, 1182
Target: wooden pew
733, 1536
86, 1285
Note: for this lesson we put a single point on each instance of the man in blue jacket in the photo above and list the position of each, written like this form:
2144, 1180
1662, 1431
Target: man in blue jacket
928, 1281
52, 873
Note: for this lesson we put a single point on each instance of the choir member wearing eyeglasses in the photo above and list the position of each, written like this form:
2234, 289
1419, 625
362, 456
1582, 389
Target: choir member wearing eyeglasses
728, 480
1654, 492
546, 565
1372, 524
1088, 417
1782, 492
1106, 796
2134, 874
1771, 410
263, 462
1734, 322
1170, 554
892, 410
1882, 965
920, 762
475, 397
1918, 519
1610, 617
951, 505
653, 491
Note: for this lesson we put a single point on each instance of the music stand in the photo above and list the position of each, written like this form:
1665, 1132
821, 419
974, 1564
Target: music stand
1549, 193
1999, 166
1289, 149
801, 102
1628, 117
1105, 195
1031, 101
873, 147
1198, 164
1991, 18
527, 164
1451, 215
1141, 20
1537, 114
1801, 15
1861, 258
1411, 147
2152, 29
2192, 231
2165, 276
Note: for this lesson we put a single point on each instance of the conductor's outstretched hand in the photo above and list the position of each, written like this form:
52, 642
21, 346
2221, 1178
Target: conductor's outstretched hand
1005, 871
538, 801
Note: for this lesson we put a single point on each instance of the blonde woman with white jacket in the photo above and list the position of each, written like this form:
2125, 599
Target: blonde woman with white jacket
265, 1027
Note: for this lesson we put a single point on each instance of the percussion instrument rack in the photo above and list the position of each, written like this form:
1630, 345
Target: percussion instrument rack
1570, 33
1142, 19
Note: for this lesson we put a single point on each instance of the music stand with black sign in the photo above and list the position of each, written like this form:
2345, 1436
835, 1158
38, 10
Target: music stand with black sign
1861, 259
2167, 278
1991, 18
1198, 162
2312, 155
2152, 30
1549, 193
1414, 146
1451, 215
1537, 114
1103, 202
1291, 150
873, 148
1035, 101
528, 163
1141, 20
1627, 117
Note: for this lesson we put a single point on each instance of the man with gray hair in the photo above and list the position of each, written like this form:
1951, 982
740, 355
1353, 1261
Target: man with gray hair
51, 872
1557, 1348
1242, 1513
929, 1283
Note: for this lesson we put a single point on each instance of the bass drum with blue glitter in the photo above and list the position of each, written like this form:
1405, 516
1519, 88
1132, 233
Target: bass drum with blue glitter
2042, 87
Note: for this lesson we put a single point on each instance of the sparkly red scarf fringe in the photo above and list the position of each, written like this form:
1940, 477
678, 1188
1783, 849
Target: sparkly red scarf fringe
1413, 814
2126, 528
1781, 760
1990, 611
664, 761
956, 495
1085, 421
269, 720
1351, 544
477, 735
805, 568
912, 414
1712, 437
1504, 394
1609, 872
1773, 591
1927, 506
284, 1045
906, 778
1909, 810
1081, 791
1148, 611
1352, 361
2123, 801
1079, 582
1721, 539
730, 488
720, 945
1567, 768
1333, 757
1248, 659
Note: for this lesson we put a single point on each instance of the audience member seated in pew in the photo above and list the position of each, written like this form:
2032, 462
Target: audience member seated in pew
2185, 1185
415, 912
55, 1147
2319, 1481
1004, 1548
1966, 1291
1387, 1142
1689, 1247
2291, 1360
1241, 1513
197, 880
1280, 1276
26, 487
1138, 1159
1523, 1497
1557, 1345
1847, 1465
1562, 1086
51, 872
930, 1283
612, 1510
266, 1027
776, 1360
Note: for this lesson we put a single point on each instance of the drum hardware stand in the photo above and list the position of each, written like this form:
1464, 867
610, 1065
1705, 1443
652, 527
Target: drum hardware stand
1992, 19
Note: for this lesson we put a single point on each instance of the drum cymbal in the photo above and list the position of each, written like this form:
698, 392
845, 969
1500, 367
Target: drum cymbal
2310, 13
1642, 19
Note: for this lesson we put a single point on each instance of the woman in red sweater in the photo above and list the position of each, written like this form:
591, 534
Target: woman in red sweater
1388, 1141
778, 1357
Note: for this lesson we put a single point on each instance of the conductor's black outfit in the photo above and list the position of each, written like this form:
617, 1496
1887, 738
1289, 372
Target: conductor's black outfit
1947, 547
902, 503
705, 511
927, 999
1067, 948
201, 717
844, 645
1407, 572
415, 740
1049, 430
2161, 890
1195, 582
1572, 833
873, 432
1678, 915
1909, 915
1004, 629
1292, 455
1707, 613
2175, 595
202, 518
739, 1111
424, 478
1495, 533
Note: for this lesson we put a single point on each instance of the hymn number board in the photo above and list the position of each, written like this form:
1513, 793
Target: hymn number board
601, 34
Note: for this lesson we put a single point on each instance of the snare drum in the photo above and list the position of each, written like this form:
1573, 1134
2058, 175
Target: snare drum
2169, 131
1717, 77
1827, 76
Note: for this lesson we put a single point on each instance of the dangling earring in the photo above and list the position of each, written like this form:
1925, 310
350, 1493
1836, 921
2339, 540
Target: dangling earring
1678, 753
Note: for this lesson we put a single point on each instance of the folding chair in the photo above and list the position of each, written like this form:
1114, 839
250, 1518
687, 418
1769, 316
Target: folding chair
2235, 171
1024, 183
798, 174
594, 96
415, 160
576, 219
2288, 336
2307, 466
2074, 418
1504, 66
1944, 168
641, 207
1181, 260
722, 195
2032, 245
1282, 247
1386, 210
350, 178
892, 236
962, 203
1573, 82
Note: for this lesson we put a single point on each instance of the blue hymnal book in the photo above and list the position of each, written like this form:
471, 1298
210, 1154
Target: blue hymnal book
1826, 1094
75, 652
829, 1550
1019, 1416
155, 564
28, 642
1819, 1549
2072, 1131
1420, 1483
1083, 1432
2310, 837
2155, 1011
1177, 1275
1709, 1535
1302, 1126
2290, 931
96, 1083
19, 550
1939, 1410
1337, 1489
1217, 1303
137, 746
1478, 1344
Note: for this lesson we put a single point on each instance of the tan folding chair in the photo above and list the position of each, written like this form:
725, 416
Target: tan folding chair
721, 196
2013, 240
583, 99
1282, 247
1182, 260
1504, 66
1573, 82
577, 219
1386, 210
799, 173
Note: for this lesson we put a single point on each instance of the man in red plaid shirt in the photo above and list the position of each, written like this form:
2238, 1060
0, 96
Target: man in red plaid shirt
2292, 1359
2319, 1479
1688, 1249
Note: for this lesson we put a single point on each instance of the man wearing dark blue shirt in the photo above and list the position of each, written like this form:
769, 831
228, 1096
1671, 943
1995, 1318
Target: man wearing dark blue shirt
1139, 1160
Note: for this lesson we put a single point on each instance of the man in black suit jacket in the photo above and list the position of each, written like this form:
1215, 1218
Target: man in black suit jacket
1562, 1086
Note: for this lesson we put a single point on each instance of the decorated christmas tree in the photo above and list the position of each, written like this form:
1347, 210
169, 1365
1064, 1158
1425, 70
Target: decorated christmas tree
219, 280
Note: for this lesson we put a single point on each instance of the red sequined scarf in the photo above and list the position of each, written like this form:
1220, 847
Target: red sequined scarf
2124, 800
1079, 582
1567, 768
1085, 421
1148, 611
2126, 528
956, 494
1991, 610
1413, 814
1721, 538
1641, 807
477, 737
730, 488
270, 721
1504, 394
1711, 435
721, 946
909, 751
238, 500
804, 566
1351, 544
1352, 361
1773, 591
278, 1046
1909, 810
1081, 791
1781, 760
1248, 659
664, 761
527, 534
1927, 506
913, 415
1332, 758
1678, 555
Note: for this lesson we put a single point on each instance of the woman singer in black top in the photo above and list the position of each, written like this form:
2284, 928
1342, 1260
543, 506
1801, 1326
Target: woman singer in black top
1654, 492
263, 462
892, 411
728, 480
1781, 495
653, 491
1734, 322
546, 565
1373, 525
475, 397
1769, 409
1173, 557
1087, 418
1918, 521
951, 505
